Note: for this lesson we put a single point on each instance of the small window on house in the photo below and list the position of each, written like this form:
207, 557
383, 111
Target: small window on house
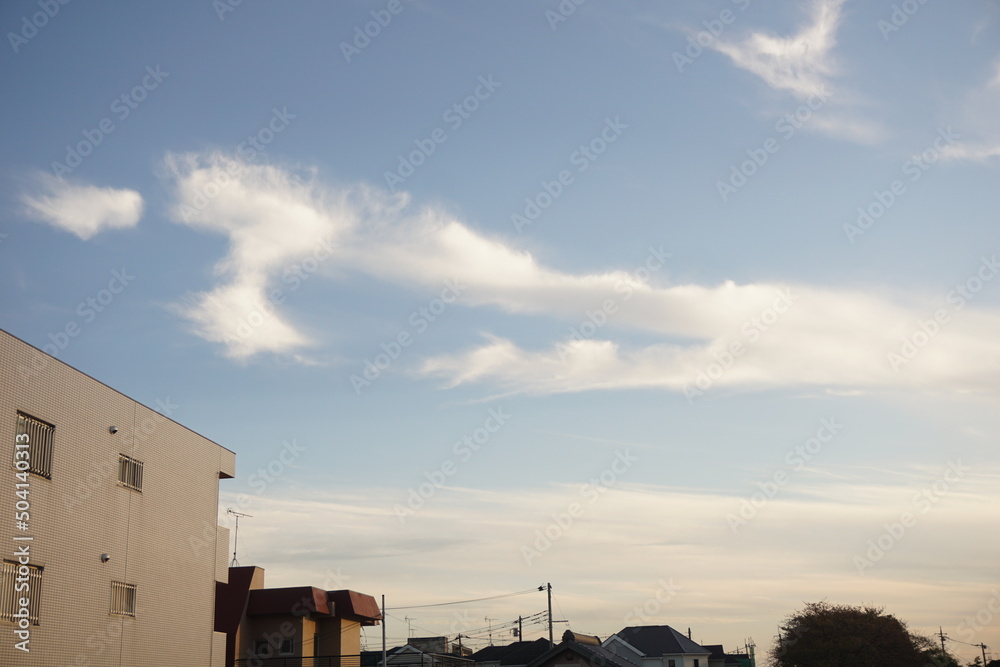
33, 446
122, 599
671, 663
261, 648
129, 472
13, 577
696, 662
286, 647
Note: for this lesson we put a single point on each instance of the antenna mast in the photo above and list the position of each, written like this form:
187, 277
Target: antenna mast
236, 538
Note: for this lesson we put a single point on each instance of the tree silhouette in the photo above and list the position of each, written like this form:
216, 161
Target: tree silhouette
829, 635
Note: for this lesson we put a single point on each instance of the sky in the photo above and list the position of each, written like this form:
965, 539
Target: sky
687, 308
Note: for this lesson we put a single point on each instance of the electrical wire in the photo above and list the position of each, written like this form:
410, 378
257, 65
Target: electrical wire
444, 604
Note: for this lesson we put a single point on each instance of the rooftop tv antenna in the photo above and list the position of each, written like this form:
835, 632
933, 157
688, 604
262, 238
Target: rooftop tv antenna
236, 539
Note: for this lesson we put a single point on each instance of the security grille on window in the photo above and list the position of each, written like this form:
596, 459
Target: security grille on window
286, 647
36, 456
122, 599
129, 472
30, 584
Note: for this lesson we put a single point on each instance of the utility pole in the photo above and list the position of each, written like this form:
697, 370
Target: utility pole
983, 647
383, 631
520, 633
549, 587
941, 634
489, 621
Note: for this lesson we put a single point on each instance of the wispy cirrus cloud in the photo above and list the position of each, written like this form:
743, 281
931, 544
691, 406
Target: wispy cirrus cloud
801, 64
805, 65
787, 334
980, 112
83, 210
663, 531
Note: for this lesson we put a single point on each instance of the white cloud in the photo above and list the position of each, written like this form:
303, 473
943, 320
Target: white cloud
272, 220
979, 113
84, 210
804, 65
801, 64
828, 338
788, 335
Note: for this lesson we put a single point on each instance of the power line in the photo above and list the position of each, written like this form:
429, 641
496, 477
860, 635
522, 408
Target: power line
444, 604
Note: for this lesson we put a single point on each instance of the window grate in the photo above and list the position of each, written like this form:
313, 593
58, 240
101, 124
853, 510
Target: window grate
10, 581
130, 472
122, 599
38, 436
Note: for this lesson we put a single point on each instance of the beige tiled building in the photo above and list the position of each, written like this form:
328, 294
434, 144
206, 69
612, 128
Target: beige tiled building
108, 524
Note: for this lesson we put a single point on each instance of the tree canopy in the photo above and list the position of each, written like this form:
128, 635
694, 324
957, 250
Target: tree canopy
830, 635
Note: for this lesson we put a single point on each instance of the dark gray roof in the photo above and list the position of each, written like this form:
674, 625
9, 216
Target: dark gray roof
596, 655
526, 653
658, 640
517, 653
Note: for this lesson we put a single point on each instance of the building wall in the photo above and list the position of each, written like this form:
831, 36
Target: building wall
338, 636
274, 628
164, 539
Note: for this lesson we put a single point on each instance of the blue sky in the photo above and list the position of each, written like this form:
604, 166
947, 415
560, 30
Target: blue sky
705, 292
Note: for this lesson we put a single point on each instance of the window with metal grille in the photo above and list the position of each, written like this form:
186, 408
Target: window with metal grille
122, 599
286, 647
20, 583
33, 448
129, 472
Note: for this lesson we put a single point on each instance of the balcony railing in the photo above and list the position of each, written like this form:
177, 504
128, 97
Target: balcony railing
312, 661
